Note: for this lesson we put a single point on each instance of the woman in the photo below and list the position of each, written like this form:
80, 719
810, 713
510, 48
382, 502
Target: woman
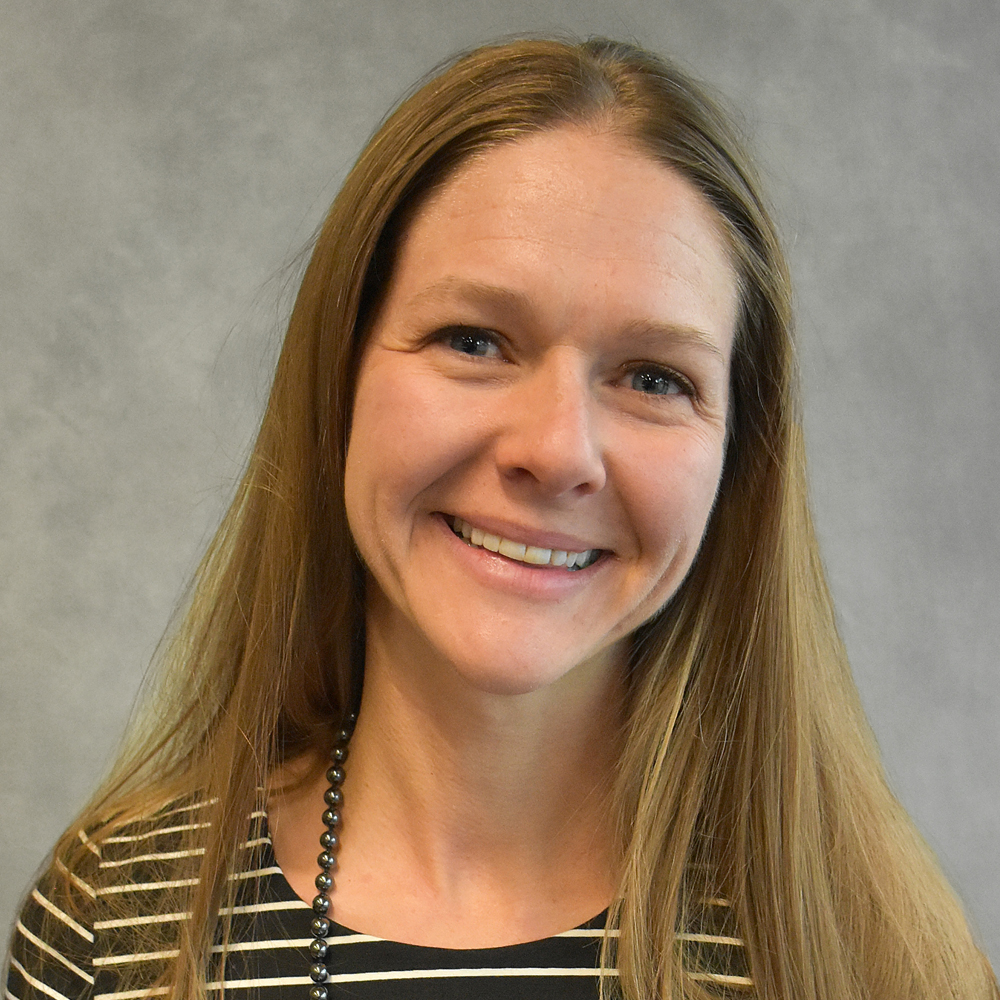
530, 470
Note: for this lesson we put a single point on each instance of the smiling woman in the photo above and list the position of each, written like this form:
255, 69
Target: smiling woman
540, 260
524, 531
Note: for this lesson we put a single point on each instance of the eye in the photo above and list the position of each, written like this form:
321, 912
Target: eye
655, 381
476, 343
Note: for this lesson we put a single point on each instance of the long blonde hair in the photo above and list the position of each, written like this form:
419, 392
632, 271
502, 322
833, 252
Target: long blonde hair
748, 771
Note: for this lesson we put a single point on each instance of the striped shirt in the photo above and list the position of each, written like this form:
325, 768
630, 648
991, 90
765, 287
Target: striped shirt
56, 956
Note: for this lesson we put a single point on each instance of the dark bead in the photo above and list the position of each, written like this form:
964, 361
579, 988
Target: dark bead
319, 993
339, 755
320, 926
318, 949
318, 973
326, 861
330, 840
343, 737
332, 817
320, 905
323, 882
333, 797
335, 775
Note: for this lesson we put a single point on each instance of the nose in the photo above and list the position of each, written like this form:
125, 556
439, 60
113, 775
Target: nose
550, 439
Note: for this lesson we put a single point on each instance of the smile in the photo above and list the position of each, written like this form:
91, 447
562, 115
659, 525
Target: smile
520, 552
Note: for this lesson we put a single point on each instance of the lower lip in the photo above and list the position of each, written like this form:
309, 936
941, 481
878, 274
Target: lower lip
515, 577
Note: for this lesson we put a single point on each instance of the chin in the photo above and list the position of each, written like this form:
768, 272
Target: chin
512, 672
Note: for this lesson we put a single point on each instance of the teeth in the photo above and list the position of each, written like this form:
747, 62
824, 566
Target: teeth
537, 556
512, 550
523, 553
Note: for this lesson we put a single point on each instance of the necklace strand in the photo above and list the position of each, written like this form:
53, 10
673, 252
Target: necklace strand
330, 842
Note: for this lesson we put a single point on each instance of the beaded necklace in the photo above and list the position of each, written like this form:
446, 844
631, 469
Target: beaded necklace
330, 842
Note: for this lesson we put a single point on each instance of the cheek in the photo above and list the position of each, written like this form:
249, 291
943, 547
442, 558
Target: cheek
405, 436
672, 491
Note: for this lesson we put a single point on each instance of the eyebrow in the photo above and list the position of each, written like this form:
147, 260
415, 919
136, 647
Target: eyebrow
508, 302
677, 332
504, 300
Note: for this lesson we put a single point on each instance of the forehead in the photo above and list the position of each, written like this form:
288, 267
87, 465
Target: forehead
574, 218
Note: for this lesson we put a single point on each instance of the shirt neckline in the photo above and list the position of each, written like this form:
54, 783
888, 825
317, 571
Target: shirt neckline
284, 888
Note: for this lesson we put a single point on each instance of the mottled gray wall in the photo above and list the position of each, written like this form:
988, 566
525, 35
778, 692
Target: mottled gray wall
160, 164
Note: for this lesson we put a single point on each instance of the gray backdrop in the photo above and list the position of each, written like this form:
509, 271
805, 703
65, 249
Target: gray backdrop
162, 162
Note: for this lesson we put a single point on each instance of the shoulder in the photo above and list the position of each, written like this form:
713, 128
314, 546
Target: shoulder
94, 907
148, 847
52, 943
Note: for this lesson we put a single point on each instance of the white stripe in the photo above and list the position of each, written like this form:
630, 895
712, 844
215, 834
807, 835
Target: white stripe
176, 883
131, 838
45, 946
262, 945
180, 809
715, 977
240, 876
64, 917
159, 918
364, 977
587, 932
88, 843
295, 943
282, 904
257, 842
161, 856
133, 994
242, 984
360, 977
158, 817
37, 983
258, 814
76, 880
710, 939
141, 956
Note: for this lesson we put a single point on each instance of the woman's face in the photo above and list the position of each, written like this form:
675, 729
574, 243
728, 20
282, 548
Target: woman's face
548, 374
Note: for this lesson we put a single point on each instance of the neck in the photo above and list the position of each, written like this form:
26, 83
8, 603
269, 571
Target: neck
491, 808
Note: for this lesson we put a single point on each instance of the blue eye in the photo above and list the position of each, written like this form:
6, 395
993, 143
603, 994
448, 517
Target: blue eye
476, 343
658, 382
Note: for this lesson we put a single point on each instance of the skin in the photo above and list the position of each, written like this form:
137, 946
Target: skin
550, 363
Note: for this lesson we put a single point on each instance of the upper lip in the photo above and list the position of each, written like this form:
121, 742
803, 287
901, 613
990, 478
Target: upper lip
538, 537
